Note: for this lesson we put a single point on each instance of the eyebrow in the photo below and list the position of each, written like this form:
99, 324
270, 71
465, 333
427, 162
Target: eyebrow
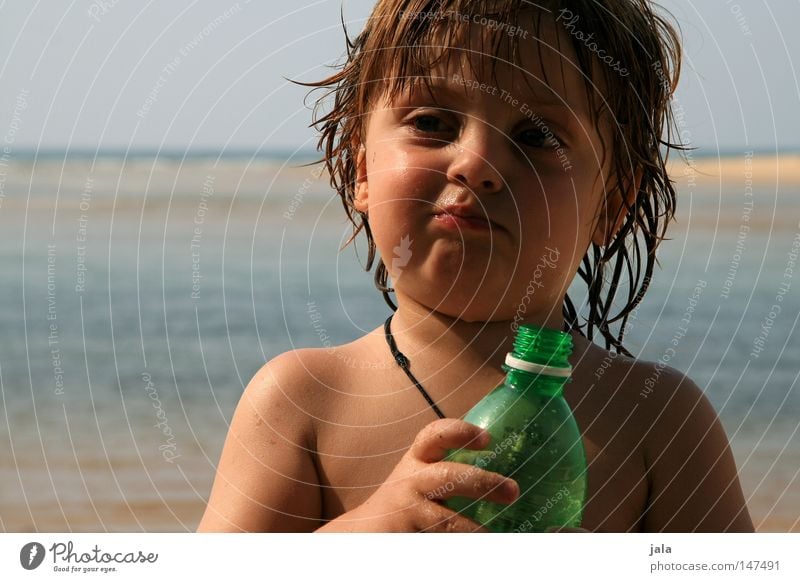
450, 87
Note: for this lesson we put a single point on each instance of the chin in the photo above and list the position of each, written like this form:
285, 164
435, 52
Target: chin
461, 305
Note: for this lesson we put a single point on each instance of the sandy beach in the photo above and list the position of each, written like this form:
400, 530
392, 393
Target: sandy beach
762, 168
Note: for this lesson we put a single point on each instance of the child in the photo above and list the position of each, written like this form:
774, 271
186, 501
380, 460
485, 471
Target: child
488, 150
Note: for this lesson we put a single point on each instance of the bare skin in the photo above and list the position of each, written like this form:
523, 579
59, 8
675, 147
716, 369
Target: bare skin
321, 450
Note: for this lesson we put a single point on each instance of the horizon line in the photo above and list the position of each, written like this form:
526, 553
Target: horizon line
287, 152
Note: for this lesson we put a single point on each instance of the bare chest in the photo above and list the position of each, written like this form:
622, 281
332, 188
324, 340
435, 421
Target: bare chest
371, 424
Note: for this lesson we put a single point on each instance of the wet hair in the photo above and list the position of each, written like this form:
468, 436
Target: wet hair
402, 42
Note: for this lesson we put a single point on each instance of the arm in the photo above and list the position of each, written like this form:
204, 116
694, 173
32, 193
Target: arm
266, 479
694, 485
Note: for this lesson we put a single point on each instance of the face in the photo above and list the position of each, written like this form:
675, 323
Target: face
521, 157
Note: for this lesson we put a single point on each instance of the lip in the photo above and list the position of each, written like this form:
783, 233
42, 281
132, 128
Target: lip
464, 218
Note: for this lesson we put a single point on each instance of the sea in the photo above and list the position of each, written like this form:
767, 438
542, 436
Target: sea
142, 290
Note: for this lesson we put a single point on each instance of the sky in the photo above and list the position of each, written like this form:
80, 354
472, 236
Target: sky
211, 74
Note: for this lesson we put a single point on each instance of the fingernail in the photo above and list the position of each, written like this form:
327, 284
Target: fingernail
511, 489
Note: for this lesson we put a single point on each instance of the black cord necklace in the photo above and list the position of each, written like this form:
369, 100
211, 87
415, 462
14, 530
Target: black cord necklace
403, 361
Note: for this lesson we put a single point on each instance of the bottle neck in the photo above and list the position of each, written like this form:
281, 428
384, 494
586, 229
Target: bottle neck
538, 383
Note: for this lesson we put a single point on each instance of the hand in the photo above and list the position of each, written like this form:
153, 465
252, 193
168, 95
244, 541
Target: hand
409, 498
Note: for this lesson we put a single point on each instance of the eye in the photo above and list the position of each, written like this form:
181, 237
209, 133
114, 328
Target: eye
429, 123
538, 137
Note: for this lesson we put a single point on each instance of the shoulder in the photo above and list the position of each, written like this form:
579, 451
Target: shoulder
294, 372
691, 471
266, 478
670, 405
307, 382
291, 387
667, 397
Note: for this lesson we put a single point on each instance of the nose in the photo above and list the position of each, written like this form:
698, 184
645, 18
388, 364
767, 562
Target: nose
478, 160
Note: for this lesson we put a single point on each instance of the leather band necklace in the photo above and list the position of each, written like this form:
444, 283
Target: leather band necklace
403, 361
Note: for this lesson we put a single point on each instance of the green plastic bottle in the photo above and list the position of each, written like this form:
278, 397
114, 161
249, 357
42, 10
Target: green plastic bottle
535, 439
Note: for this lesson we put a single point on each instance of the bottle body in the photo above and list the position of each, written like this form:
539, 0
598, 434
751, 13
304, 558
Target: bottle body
535, 441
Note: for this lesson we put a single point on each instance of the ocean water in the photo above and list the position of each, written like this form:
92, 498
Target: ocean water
139, 296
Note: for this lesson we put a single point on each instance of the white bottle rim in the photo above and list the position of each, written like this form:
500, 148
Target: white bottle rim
537, 368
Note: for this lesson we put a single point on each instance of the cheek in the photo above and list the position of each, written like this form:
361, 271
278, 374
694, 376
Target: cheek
396, 175
547, 205
556, 215
392, 206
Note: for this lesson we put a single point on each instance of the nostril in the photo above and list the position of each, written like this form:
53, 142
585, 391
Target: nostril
476, 174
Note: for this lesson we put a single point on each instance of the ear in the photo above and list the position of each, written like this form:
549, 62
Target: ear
360, 200
614, 210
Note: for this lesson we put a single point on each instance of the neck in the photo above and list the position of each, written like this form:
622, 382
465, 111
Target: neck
417, 329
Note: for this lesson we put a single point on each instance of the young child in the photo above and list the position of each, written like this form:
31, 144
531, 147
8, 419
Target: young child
490, 150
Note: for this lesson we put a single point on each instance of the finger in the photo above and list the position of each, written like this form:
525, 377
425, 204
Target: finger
565, 529
436, 438
440, 519
444, 480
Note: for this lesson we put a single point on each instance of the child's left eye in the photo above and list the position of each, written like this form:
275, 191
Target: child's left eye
538, 138
428, 124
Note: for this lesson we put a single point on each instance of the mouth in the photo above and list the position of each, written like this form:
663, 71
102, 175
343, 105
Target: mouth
460, 218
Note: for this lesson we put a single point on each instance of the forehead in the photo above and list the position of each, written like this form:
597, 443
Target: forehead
524, 55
